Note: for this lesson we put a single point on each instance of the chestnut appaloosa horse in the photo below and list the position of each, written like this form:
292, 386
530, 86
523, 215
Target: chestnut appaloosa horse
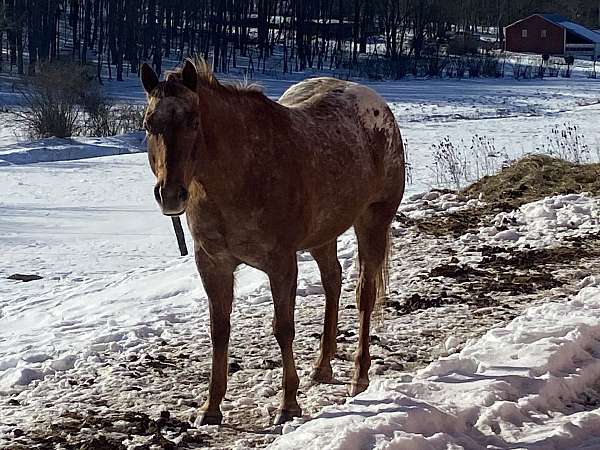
260, 180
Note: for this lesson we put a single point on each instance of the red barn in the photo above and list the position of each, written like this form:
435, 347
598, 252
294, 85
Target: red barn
551, 34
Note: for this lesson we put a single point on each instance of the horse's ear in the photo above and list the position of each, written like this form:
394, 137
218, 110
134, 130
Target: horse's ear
189, 75
149, 78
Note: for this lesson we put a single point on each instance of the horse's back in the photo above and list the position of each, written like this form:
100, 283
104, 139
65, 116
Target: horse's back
311, 91
352, 153
355, 118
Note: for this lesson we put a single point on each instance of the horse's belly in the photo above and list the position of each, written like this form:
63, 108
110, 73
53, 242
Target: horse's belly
315, 240
332, 221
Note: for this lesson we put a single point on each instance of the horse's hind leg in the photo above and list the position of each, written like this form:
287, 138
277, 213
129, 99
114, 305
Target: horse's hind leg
331, 279
372, 229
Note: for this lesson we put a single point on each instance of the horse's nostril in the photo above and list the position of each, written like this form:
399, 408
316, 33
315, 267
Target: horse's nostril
183, 194
157, 194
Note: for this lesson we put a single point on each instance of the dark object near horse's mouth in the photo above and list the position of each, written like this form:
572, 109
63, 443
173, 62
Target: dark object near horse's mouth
179, 235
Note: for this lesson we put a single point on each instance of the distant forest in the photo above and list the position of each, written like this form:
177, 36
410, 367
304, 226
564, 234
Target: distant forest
119, 34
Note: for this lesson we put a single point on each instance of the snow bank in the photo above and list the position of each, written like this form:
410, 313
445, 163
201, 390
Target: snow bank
57, 149
531, 384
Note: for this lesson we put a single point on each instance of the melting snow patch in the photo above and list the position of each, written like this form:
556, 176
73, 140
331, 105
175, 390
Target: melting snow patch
544, 223
531, 384
435, 203
21, 376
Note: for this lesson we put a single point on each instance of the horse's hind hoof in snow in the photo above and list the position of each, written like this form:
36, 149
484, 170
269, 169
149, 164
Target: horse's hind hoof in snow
322, 375
209, 418
357, 388
285, 415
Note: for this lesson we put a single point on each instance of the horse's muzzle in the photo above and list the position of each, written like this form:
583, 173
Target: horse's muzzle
172, 199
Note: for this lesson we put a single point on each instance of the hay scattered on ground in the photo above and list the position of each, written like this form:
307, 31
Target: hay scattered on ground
527, 180
533, 178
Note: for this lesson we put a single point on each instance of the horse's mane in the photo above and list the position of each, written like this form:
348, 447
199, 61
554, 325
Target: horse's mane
207, 79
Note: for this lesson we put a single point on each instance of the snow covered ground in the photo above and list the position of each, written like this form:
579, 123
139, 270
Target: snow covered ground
113, 288
533, 384
162, 363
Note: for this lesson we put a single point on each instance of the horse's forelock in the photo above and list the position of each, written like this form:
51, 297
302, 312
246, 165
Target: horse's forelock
207, 78
173, 75
171, 87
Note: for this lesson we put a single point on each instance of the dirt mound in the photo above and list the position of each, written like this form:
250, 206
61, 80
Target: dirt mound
535, 177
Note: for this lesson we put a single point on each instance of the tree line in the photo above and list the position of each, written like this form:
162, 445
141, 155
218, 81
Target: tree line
119, 34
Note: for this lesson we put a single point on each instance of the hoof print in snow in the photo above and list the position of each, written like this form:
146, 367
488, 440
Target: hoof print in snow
101, 442
234, 367
270, 364
24, 277
374, 339
458, 272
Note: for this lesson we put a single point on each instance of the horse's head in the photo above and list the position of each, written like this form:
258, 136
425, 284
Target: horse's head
172, 123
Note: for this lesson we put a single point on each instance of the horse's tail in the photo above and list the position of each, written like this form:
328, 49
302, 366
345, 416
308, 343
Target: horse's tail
382, 283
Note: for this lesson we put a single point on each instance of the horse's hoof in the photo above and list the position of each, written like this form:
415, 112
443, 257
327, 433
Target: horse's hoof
285, 415
322, 375
209, 418
357, 388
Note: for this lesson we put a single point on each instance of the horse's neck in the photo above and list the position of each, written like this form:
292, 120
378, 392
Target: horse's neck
233, 133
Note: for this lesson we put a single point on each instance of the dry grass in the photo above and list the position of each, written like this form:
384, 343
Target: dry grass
533, 178
55, 100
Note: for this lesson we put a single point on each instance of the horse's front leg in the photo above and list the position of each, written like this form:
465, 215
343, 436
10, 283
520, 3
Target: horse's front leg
283, 279
217, 278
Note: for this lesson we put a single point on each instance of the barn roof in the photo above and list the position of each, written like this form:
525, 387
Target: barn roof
556, 18
573, 27
582, 31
